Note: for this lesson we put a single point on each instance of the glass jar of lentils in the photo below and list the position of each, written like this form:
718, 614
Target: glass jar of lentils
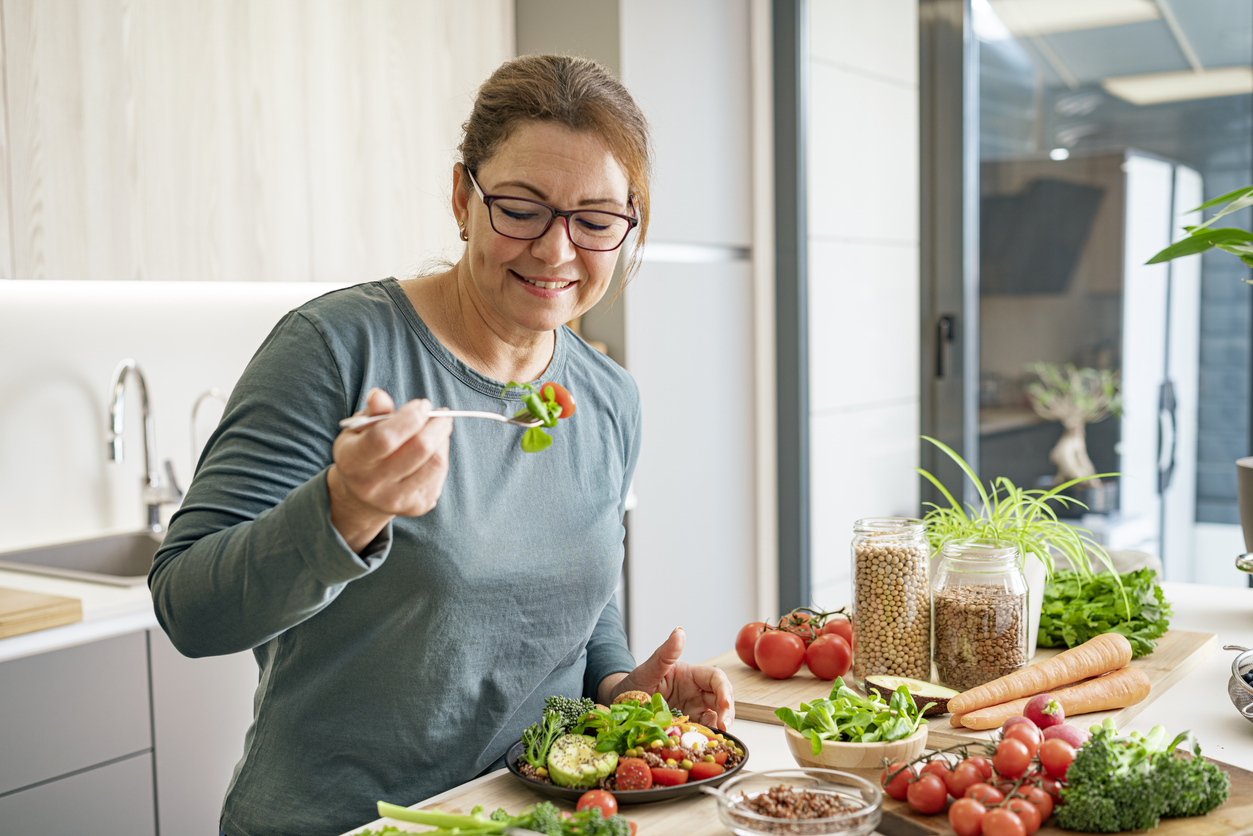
980, 612
891, 598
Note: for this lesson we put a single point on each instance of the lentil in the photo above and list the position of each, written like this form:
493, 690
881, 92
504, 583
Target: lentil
980, 634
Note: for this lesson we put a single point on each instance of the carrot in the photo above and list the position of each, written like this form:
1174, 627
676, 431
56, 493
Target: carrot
1100, 654
1119, 689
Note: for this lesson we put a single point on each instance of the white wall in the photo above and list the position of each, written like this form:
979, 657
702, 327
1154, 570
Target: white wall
863, 274
60, 342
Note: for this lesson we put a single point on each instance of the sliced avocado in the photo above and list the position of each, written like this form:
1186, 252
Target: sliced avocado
574, 762
922, 692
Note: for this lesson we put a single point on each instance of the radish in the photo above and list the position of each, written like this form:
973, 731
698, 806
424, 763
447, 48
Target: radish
1014, 721
1073, 735
1044, 710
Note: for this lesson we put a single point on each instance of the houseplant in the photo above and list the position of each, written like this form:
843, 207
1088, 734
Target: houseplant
1203, 236
1076, 397
1026, 518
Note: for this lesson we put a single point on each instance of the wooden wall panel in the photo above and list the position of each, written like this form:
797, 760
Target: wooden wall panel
241, 140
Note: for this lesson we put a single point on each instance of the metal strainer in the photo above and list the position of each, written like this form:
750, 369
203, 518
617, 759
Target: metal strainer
1238, 689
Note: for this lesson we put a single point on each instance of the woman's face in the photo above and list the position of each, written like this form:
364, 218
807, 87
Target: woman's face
567, 170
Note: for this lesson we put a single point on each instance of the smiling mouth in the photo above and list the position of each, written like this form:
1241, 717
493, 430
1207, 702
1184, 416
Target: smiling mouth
544, 285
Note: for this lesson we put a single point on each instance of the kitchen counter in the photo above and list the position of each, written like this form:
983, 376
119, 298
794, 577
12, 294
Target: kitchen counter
107, 611
1199, 702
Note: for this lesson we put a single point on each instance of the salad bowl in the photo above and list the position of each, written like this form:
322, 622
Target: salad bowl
572, 794
842, 755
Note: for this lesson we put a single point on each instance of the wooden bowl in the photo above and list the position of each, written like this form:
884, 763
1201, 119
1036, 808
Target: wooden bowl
836, 755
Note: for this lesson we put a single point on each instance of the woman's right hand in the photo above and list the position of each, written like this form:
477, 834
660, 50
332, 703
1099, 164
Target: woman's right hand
394, 467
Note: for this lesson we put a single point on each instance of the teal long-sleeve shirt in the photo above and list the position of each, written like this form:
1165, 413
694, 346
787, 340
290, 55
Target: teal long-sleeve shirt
411, 668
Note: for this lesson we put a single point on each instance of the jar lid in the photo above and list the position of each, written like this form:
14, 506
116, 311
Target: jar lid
889, 525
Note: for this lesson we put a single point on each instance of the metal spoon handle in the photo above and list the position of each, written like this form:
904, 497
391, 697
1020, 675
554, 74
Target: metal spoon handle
356, 422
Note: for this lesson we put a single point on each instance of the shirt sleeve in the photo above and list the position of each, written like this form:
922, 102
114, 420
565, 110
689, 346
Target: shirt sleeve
252, 551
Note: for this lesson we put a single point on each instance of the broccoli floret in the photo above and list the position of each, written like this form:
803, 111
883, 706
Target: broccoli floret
542, 818
501, 814
1199, 786
591, 822
570, 710
1129, 782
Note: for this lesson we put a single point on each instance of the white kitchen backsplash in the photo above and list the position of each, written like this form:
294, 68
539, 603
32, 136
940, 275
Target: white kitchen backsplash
59, 344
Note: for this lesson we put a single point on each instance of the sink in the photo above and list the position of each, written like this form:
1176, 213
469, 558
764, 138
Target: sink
117, 559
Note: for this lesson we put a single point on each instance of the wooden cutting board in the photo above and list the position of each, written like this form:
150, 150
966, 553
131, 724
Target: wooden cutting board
26, 612
757, 695
697, 815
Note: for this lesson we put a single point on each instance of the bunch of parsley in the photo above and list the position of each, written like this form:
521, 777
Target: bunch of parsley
1078, 607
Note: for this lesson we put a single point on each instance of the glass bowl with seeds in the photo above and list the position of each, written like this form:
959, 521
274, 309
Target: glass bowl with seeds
799, 802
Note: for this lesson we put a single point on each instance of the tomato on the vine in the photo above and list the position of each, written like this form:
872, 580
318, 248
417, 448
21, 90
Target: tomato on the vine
961, 777
896, 788
1042, 800
982, 764
829, 656
779, 654
1028, 734
985, 794
1012, 758
1002, 822
1026, 811
1051, 786
939, 768
746, 640
839, 625
560, 395
928, 794
1056, 755
598, 798
966, 817
797, 621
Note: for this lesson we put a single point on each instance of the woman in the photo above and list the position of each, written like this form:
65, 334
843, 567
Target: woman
413, 593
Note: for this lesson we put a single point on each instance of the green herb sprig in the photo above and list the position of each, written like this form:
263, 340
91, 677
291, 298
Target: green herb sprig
847, 716
541, 405
627, 724
1077, 608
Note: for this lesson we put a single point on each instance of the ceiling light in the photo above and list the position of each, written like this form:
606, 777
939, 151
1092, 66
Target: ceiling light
1059, 154
1155, 88
1041, 17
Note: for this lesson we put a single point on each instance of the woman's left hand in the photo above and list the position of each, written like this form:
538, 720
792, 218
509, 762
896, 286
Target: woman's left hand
699, 691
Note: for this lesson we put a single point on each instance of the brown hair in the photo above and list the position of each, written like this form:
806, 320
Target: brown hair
575, 93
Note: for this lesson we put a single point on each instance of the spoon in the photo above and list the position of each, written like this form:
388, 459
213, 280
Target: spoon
356, 422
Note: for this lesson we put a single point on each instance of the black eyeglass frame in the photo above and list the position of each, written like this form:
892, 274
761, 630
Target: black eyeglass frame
554, 213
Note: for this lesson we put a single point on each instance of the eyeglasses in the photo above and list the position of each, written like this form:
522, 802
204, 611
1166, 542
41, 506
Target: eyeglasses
526, 220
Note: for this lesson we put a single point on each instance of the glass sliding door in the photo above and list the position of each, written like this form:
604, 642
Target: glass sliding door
1100, 124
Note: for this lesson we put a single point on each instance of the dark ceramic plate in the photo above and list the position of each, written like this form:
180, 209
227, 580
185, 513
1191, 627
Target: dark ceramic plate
573, 794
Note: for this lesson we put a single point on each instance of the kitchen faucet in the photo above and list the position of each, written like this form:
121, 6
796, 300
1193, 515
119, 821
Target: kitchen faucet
155, 492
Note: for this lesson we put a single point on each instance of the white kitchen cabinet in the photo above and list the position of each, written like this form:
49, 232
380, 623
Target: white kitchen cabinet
110, 800
86, 731
73, 709
201, 709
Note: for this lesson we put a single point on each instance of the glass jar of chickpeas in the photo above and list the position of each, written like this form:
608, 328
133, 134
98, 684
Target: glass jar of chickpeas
891, 598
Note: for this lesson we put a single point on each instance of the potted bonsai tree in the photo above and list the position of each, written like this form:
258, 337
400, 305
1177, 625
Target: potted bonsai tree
1076, 397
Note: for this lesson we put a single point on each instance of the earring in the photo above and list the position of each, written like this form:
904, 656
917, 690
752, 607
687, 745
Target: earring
465, 236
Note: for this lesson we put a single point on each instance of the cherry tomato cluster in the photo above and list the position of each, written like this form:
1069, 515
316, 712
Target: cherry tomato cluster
1010, 790
821, 640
